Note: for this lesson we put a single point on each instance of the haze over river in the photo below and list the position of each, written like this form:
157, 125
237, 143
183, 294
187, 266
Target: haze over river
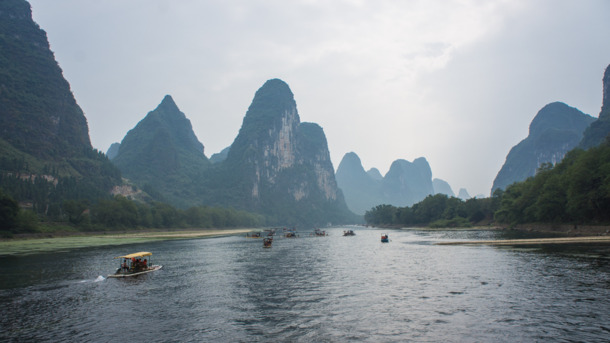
313, 289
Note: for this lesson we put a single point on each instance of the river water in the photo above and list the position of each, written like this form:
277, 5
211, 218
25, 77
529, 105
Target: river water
313, 289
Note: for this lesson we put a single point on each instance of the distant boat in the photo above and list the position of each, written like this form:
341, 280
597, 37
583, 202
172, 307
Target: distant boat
135, 264
349, 233
267, 242
291, 233
385, 238
319, 233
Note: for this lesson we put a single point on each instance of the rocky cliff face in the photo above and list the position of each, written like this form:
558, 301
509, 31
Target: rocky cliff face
605, 112
163, 152
556, 129
313, 151
280, 166
599, 129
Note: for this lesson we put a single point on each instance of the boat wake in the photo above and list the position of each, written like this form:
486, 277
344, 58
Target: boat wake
98, 279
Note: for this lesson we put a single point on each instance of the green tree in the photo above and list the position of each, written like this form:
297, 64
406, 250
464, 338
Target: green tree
75, 209
9, 210
381, 214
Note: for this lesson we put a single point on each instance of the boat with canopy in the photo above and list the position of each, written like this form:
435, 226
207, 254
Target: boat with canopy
385, 238
135, 264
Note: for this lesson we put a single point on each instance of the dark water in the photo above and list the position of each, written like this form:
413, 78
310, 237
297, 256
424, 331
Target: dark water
313, 289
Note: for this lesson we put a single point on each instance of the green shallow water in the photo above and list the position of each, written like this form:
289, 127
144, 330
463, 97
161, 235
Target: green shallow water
59, 244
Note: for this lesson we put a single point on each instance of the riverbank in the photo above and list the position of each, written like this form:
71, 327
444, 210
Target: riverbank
535, 241
566, 230
34, 245
570, 230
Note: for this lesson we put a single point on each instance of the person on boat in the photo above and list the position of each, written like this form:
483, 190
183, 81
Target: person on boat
144, 266
124, 265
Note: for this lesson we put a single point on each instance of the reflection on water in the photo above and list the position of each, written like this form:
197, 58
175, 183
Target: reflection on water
312, 289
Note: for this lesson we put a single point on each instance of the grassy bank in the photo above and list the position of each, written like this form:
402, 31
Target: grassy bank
24, 246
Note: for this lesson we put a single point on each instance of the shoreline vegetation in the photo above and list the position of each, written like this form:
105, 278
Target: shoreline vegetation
554, 230
59, 242
561, 234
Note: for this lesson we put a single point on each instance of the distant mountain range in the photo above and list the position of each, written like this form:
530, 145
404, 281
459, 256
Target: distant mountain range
277, 166
405, 184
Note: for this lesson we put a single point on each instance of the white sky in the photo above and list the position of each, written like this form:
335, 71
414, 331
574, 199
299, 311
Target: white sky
457, 82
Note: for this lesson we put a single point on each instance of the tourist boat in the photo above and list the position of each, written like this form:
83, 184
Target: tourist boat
319, 233
385, 238
349, 233
256, 234
135, 264
291, 233
267, 242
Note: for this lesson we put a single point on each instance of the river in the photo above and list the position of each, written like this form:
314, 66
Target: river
313, 289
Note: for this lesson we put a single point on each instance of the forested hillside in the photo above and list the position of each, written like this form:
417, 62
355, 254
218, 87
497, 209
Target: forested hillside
577, 190
163, 155
556, 129
46, 157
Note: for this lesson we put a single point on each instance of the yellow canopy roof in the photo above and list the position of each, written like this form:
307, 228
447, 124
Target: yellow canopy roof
136, 254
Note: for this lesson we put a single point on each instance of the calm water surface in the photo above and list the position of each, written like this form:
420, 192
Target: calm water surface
313, 289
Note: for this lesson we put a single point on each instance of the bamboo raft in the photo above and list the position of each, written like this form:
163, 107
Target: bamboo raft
534, 241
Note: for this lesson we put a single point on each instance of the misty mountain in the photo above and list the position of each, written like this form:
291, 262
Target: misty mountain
375, 174
113, 150
463, 194
599, 130
555, 130
405, 184
162, 152
361, 190
46, 155
220, 156
442, 187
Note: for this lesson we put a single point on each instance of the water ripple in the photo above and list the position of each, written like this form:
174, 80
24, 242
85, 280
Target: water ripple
312, 289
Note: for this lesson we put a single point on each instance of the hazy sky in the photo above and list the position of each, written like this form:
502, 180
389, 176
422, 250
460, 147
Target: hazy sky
457, 82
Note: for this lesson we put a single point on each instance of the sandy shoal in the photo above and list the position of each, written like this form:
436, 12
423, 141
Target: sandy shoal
530, 241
